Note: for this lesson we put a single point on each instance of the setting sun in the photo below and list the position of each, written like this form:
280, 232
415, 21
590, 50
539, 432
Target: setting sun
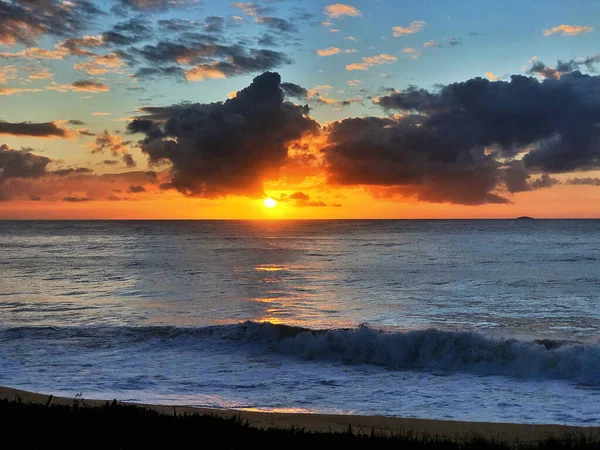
269, 202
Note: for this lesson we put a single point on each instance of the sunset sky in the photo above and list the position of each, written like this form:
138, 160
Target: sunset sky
370, 109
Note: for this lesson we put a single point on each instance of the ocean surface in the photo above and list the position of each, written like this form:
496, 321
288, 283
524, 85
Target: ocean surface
478, 320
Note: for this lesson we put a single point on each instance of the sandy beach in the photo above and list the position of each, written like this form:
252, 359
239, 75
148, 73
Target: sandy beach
455, 430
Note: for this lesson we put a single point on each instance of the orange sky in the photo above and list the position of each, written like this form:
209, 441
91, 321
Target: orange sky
558, 202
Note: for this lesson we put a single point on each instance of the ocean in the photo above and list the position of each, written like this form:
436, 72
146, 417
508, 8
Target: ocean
479, 320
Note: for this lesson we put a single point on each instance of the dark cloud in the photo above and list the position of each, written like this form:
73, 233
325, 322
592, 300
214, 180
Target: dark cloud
112, 143
277, 24
294, 90
130, 32
71, 171
110, 162
545, 181
300, 199
409, 160
299, 196
155, 114
77, 199
461, 143
269, 40
90, 86
21, 164
558, 118
25, 21
562, 67
161, 72
136, 189
152, 5
44, 130
76, 122
128, 160
584, 181
227, 148
214, 24
210, 60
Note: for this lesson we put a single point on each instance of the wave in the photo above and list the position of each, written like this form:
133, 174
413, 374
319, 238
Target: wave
429, 349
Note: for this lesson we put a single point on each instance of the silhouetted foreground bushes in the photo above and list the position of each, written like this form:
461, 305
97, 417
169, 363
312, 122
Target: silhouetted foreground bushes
32, 425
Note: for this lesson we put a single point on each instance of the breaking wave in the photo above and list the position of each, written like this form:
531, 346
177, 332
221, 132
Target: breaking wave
429, 349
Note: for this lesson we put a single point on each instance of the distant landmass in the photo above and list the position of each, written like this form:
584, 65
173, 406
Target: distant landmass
524, 218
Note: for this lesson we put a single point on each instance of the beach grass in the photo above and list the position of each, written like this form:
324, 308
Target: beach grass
77, 423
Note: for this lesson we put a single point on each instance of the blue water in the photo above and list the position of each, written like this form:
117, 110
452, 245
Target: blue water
466, 320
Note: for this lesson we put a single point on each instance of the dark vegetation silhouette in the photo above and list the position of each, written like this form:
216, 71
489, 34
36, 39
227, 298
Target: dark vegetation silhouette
37, 425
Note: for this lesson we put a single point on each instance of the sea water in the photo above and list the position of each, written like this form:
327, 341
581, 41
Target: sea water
485, 320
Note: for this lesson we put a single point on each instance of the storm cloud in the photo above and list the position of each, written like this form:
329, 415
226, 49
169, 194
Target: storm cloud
25, 21
460, 144
32, 129
226, 148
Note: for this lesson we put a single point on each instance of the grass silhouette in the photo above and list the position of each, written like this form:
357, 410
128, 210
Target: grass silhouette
114, 425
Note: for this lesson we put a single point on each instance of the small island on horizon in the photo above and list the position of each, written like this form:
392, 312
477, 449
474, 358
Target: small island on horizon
524, 218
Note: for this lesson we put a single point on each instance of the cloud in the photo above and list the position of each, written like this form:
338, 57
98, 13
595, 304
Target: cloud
338, 10
36, 54
371, 61
414, 27
294, 90
25, 21
110, 142
395, 157
567, 30
7, 73
12, 91
40, 74
554, 121
79, 86
335, 51
277, 25
208, 60
252, 9
584, 181
20, 164
161, 72
136, 189
155, 5
491, 76
412, 53
31, 129
101, 64
128, 160
431, 43
128, 32
26, 175
562, 67
300, 199
204, 72
471, 142
226, 148
99, 113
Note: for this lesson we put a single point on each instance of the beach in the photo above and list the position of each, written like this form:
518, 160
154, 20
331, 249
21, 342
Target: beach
380, 425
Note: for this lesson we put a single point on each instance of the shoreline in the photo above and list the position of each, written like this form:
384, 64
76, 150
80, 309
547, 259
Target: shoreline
384, 425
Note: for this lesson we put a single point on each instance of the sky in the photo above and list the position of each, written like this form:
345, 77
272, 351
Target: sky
202, 109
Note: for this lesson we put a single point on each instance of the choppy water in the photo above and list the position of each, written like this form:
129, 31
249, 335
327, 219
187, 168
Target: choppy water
468, 320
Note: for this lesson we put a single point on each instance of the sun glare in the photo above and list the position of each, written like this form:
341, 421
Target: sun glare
269, 202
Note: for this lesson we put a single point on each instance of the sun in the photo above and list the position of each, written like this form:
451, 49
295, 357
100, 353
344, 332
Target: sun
269, 202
